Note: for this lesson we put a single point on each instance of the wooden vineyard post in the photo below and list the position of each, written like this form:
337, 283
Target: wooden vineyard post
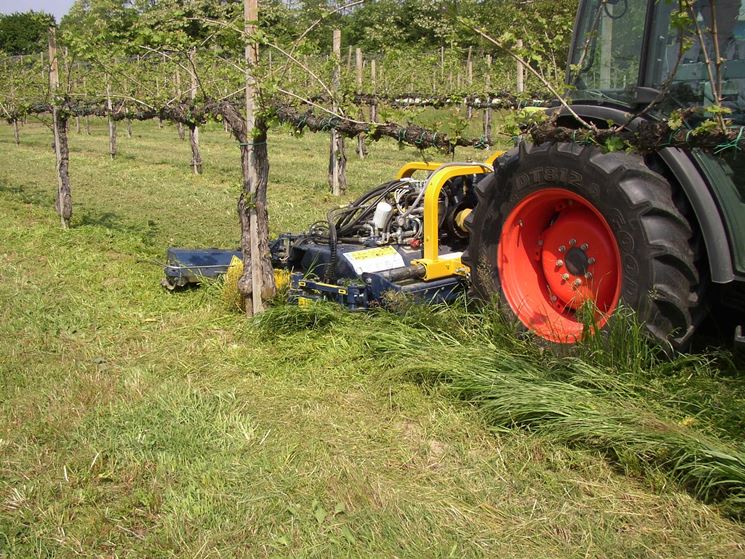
68, 72
469, 81
14, 122
606, 35
361, 148
224, 121
87, 118
162, 70
487, 109
196, 157
337, 159
458, 83
520, 70
16, 134
257, 282
129, 120
179, 125
63, 202
157, 94
112, 122
442, 64
373, 83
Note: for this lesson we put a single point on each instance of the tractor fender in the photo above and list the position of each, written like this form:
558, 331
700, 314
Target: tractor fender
691, 181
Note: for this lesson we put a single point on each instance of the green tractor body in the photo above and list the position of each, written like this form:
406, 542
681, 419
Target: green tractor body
623, 54
662, 233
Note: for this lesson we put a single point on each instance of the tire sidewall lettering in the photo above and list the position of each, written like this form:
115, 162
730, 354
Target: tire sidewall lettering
552, 175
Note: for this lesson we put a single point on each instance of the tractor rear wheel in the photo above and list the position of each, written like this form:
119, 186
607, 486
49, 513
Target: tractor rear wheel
562, 225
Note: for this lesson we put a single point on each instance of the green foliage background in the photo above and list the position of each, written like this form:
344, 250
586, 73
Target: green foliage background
375, 26
24, 33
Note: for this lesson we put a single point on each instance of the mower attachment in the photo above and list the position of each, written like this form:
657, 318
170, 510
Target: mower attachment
377, 290
405, 236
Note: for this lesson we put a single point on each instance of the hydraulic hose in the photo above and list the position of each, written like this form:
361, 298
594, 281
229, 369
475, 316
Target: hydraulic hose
382, 191
330, 275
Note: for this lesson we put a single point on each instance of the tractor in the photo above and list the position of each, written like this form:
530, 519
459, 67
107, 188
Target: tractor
546, 230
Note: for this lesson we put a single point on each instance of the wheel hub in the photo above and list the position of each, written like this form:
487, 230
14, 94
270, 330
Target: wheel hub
576, 261
570, 239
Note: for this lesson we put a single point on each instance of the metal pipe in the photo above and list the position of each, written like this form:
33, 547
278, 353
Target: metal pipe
416, 271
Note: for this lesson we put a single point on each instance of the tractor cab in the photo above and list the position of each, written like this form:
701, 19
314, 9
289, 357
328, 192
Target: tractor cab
625, 52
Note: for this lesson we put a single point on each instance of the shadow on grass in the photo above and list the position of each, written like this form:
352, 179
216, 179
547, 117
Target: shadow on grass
114, 222
146, 233
27, 196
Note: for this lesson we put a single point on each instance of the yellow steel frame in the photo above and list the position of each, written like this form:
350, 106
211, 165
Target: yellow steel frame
412, 167
493, 157
435, 266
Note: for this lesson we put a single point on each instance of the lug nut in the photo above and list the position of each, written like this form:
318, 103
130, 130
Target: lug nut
562, 248
584, 246
565, 276
553, 298
577, 282
591, 260
588, 275
559, 263
572, 242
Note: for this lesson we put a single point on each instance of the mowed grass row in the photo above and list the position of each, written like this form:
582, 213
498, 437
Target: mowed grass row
138, 423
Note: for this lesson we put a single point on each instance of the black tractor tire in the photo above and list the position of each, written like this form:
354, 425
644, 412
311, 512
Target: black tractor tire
658, 277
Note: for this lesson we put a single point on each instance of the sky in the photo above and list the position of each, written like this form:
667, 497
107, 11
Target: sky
57, 8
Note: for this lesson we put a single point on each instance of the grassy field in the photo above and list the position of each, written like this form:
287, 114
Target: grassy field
140, 423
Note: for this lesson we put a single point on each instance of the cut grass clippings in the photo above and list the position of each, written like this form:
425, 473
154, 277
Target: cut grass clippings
599, 402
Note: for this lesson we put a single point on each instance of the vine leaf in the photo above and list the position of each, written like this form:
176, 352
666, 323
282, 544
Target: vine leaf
614, 143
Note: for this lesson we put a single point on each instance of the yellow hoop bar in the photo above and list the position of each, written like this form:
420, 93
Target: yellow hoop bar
436, 267
432, 200
493, 157
410, 168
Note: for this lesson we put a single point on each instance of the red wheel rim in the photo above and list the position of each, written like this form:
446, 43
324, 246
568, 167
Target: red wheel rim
556, 252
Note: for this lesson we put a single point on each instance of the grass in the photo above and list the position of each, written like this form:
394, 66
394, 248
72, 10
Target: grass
585, 402
139, 423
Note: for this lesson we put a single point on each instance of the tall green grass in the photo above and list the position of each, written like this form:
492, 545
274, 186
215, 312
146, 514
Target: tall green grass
617, 395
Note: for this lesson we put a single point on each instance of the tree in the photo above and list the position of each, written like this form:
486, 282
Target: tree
24, 32
99, 26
